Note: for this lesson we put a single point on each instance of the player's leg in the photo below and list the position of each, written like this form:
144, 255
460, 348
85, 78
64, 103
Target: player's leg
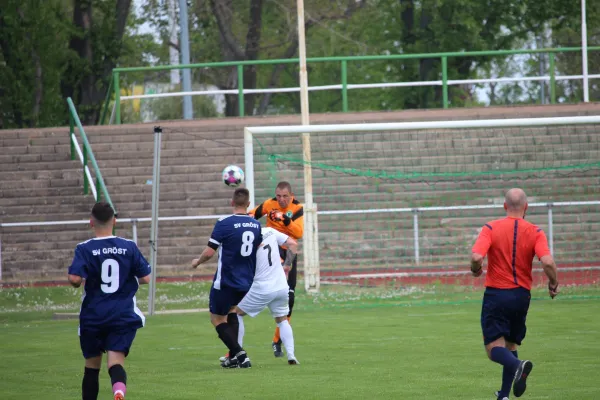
118, 343
522, 298
279, 307
236, 322
291, 279
116, 371
221, 303
90, 385
495, 326
91, 342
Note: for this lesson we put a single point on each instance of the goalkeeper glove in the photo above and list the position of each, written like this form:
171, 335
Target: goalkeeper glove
276, 215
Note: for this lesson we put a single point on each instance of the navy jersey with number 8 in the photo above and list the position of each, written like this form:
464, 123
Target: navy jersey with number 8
236, 239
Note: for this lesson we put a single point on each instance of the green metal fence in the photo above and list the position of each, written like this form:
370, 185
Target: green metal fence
343, 60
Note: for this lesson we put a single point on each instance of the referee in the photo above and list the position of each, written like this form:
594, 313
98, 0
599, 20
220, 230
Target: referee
510, 244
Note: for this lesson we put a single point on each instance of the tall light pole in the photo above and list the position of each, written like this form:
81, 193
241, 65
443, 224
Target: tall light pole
184, 47
584, 54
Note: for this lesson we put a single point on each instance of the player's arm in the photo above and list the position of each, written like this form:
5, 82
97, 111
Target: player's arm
476, 264
258, 212
543, 252
551, 272
290, 243
141, 267
204, 257
295, 223
78, 268
292, 247
75, 280
480, 249
216, 238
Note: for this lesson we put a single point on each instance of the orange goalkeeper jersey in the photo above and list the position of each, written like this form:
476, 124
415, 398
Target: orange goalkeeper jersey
294, 211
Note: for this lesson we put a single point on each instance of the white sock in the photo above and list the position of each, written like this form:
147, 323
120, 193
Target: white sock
287, 337
241, 330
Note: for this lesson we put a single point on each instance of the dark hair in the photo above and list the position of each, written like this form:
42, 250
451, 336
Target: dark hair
284, 185
102, 212
241, 197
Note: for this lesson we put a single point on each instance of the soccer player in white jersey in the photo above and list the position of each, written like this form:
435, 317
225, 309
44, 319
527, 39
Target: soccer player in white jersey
270, 287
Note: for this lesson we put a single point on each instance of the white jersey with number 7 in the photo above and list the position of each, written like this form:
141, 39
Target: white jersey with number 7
270, 276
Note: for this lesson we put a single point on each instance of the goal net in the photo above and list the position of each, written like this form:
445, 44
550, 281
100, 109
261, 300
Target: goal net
399, 205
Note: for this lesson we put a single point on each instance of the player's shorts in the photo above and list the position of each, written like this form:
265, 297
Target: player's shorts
94, 341
503, 314
253, 303
221, 300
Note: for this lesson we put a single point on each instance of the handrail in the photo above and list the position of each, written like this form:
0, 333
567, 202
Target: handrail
344, 86
549, 204
106, 101
414, 210
87, 154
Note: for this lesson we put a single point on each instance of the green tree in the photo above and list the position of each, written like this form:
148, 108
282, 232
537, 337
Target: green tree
31, 62
96, 43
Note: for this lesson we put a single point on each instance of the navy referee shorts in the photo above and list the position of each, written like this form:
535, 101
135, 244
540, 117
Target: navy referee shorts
503, 314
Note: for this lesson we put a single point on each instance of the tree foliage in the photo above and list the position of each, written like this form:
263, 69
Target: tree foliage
74, 50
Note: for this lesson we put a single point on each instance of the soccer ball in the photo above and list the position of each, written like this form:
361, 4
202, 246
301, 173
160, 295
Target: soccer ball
233, 176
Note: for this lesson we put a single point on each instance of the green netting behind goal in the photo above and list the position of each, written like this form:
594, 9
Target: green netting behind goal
400, 210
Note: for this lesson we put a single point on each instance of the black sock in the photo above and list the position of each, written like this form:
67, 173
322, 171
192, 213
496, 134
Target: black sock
507, 379
225, 334
90, 386
234, 325
293, 274
292, 297
117, 374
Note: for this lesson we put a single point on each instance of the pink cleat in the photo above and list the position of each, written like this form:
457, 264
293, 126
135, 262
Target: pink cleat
119, 395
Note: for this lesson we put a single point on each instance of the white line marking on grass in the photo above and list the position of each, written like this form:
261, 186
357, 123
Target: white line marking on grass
442, 272
339, 283
437, 314
161, 312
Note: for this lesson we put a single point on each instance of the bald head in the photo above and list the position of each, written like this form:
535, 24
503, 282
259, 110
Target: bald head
515, 200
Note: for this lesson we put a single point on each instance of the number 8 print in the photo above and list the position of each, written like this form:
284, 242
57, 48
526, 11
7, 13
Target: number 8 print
247, 240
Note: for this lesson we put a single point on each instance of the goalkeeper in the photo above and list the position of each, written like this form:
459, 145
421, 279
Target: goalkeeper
285, 214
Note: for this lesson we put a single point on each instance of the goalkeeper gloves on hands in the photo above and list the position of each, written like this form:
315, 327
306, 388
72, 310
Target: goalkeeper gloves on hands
276, 215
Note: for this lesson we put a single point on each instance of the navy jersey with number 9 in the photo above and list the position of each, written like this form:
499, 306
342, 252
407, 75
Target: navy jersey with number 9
236, 238
111, 267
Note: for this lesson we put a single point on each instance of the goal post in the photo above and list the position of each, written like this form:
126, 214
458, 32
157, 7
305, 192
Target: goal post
311, 232
402, 203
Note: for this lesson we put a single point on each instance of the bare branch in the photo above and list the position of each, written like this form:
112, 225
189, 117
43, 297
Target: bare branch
225, 29
174, 45
275, 75
254, 30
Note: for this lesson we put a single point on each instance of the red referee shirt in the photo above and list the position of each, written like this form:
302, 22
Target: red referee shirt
510, 245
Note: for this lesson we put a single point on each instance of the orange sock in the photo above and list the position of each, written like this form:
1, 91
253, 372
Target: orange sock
276, 335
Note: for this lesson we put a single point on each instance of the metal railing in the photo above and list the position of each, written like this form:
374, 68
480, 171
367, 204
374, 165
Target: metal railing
415, 211
344, 86
84, 156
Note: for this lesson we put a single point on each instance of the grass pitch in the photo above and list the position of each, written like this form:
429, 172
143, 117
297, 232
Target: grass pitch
351, 346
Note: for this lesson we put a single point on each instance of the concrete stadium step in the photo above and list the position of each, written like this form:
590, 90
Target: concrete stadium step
191, 162
37, 175
41, 183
